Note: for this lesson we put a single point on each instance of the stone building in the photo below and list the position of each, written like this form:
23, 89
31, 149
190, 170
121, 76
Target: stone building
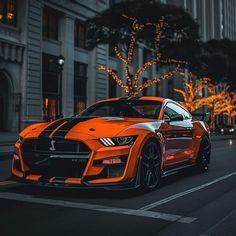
33, 36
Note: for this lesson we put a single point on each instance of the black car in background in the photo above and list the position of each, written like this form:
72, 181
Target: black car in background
226, 129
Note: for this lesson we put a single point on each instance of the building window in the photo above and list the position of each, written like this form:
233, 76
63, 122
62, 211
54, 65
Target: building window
112, 87
50, 87
80, 34
50, 24
80, 87
147, 55
144, 90
8, 12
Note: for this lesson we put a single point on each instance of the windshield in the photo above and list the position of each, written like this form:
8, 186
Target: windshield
125, 108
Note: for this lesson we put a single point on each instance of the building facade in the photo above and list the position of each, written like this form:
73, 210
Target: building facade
35, 34
216, 18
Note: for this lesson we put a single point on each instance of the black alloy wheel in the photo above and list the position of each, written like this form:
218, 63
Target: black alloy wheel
150, 165
204, 155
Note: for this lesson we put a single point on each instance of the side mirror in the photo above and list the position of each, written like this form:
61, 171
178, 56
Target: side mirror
176, 117
166, 118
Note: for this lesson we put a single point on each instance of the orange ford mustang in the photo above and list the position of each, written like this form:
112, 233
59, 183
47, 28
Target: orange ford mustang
116, 143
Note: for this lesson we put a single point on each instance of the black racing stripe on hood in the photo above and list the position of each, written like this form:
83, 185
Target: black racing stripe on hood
64, 129
48, 130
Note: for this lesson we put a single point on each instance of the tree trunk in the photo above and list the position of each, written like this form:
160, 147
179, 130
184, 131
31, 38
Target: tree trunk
229, 120
212, 125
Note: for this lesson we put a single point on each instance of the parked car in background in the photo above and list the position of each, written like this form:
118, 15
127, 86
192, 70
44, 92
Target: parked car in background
226, 129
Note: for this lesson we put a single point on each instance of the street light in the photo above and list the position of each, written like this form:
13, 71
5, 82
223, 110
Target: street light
61, 61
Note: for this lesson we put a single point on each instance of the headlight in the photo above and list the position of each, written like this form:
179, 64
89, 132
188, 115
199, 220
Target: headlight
231, 130
118, 141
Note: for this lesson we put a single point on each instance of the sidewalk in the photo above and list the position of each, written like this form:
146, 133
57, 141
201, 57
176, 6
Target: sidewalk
7, 140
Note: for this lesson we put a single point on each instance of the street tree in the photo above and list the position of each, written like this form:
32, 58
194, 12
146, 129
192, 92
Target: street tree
132, 87
230, 107
192, 91
180, 40
216, 102
219, 61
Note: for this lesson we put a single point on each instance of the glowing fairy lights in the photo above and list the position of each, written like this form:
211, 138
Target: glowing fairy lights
132, 88
216, 102
191, 92
221, 102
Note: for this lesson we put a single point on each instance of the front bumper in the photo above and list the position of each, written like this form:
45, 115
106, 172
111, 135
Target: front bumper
132, 184
92, 177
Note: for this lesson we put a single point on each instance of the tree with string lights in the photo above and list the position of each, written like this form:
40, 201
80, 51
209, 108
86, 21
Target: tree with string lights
180, 40
219, 102
192, 92
216, 102
132, 87
229, 106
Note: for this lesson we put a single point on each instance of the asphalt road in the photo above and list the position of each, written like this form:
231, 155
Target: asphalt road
185, 204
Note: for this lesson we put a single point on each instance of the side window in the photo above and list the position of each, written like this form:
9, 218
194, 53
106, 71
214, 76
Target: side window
186, 114
169, 112
179, 110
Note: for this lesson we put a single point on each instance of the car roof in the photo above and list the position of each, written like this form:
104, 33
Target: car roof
149, 98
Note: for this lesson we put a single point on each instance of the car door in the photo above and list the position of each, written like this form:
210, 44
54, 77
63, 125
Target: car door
178, 135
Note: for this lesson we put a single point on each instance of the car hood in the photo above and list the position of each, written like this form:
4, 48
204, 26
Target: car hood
91, 127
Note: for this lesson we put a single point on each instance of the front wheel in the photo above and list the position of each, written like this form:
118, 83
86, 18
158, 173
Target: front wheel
204, 155
150, 165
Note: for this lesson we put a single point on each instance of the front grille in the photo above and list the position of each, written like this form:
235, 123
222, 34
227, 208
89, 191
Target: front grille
57, 157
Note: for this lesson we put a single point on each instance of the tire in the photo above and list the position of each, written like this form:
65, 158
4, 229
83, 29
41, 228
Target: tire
204, 155
150, 166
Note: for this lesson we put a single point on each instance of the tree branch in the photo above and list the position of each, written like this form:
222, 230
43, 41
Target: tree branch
182, 93
113, 75
158, 79
142, 69
118, 54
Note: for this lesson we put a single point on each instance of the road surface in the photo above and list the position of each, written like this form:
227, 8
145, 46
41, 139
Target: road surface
185, 204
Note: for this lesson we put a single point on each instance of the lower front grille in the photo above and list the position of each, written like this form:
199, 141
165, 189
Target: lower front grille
68, 158
59, 167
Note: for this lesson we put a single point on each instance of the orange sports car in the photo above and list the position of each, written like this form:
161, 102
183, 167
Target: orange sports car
116, 143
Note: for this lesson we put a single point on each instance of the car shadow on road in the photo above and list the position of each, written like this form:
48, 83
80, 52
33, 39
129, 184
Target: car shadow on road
185, 173
76, 194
